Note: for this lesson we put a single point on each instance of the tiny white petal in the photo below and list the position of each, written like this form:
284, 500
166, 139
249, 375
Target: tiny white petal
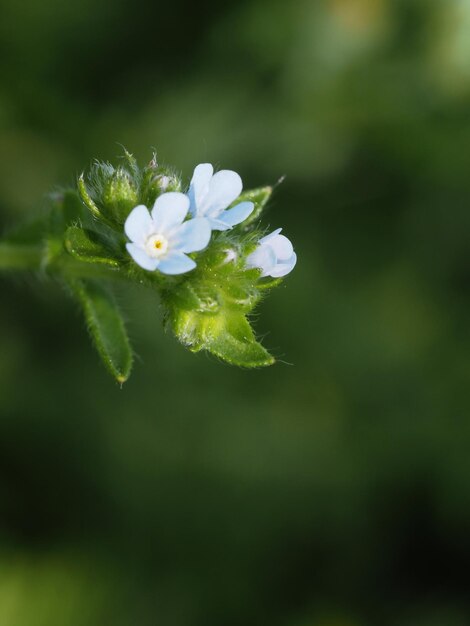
224, 188
237, 214
176, 263
141, 258
169, 210
274, 255
282, 247
284, 268
199, 185
263, 258
192, 236
138, 224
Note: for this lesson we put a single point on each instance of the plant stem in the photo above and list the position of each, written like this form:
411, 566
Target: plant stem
15, 256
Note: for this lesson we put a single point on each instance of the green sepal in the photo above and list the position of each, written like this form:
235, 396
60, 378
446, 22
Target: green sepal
259, 197
227, 334
90, 204
268, 283
89, 246
105, 325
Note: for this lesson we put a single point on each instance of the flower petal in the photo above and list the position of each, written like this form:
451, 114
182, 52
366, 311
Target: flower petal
216, 224
282, 247
224, 188
284, 268
192, 236
237, 214
141, 258
169, 210
176, 263
138, 224
270, 236
263, 258
199, 185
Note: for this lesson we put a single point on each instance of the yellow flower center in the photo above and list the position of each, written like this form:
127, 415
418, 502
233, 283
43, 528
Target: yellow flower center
156, 245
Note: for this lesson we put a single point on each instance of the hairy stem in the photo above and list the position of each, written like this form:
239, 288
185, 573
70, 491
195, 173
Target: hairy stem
14, 256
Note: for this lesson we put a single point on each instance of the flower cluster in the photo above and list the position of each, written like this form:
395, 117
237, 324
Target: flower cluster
180, 224
200, 248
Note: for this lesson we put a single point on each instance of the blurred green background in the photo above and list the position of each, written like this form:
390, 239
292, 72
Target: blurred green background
332, 489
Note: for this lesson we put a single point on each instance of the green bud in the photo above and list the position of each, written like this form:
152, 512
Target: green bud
120, 196
110, 194
157, 180
166, 181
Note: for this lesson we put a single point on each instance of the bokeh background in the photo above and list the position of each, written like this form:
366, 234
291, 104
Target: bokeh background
332, 489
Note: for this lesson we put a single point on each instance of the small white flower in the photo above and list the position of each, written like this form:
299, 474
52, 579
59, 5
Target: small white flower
161, 239
210, 194
274, 255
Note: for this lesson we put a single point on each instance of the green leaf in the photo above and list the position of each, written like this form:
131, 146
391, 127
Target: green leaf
259, 197
106, 327
227, 334
89, 246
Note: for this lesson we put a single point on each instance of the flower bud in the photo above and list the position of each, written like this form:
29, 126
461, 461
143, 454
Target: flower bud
119, 196
157, 180
109, 193
167, 182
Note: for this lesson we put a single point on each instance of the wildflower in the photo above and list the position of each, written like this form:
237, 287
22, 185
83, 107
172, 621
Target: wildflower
161, 239
274, 255
210, 194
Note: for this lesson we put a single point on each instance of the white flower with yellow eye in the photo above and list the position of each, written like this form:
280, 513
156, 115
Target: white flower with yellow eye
161, 239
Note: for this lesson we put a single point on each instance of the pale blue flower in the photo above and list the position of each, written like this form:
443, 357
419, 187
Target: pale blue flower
210, 194
274, 255
161, 239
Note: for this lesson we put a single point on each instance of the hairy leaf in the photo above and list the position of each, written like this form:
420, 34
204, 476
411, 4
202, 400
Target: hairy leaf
89, 246
106, 326
226, 334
